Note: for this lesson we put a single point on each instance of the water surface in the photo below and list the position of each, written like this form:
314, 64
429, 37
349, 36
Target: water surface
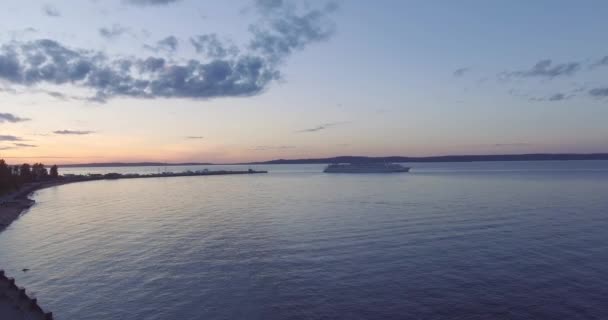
517, 240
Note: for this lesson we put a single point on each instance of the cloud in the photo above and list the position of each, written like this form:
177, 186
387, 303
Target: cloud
9, 138
460, 72
9, 117
73, 132
281, 29
49, 62
284, 28
113, 32
266, 148
24, 145
602, 62
553, 98
599, 92
194, 137
150, 2
558, 97
546, 69
57, 95
322, 127
212, 47
50, 10
168, 44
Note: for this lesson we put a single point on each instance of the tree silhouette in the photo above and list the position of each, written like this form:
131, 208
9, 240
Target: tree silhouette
25, 172
5, 177
54, 172
39, 172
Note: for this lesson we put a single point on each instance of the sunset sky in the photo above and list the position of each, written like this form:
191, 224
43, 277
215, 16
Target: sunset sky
234, 81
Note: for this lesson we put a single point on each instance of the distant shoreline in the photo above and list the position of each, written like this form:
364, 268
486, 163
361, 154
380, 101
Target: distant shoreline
364, 159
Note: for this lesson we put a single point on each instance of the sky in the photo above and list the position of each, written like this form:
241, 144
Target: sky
251, 80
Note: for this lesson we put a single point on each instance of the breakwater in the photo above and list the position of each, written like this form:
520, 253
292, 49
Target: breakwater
15, 303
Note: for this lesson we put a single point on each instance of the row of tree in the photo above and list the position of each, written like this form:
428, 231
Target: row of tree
13, 177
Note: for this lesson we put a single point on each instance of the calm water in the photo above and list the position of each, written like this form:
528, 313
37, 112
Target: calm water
448, 241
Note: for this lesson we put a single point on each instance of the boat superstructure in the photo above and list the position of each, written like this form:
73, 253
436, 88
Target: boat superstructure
365, 168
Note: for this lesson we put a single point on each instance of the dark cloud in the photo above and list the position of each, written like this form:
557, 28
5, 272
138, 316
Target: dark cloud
223, 72
599, 92
194, 137
322, 127
9, 138
9, 117
73, 132
460, 72
211, 46
168, 44
50, 10
113, 32
150, 2
546, 69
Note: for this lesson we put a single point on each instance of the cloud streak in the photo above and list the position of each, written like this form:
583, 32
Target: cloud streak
24, 145
9, 117
601, 62
73, 132
194, 137
268, 148
9, 138
599, 92
322, 127
547, 69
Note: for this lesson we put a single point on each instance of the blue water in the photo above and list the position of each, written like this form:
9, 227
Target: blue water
517, 240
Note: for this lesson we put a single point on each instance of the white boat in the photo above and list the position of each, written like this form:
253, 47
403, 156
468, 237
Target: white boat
365, 168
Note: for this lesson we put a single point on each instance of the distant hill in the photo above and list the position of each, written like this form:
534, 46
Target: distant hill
458, 158
362, 159
131, 164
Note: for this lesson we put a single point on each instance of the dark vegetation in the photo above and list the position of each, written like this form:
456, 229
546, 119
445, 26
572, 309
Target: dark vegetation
14, 177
